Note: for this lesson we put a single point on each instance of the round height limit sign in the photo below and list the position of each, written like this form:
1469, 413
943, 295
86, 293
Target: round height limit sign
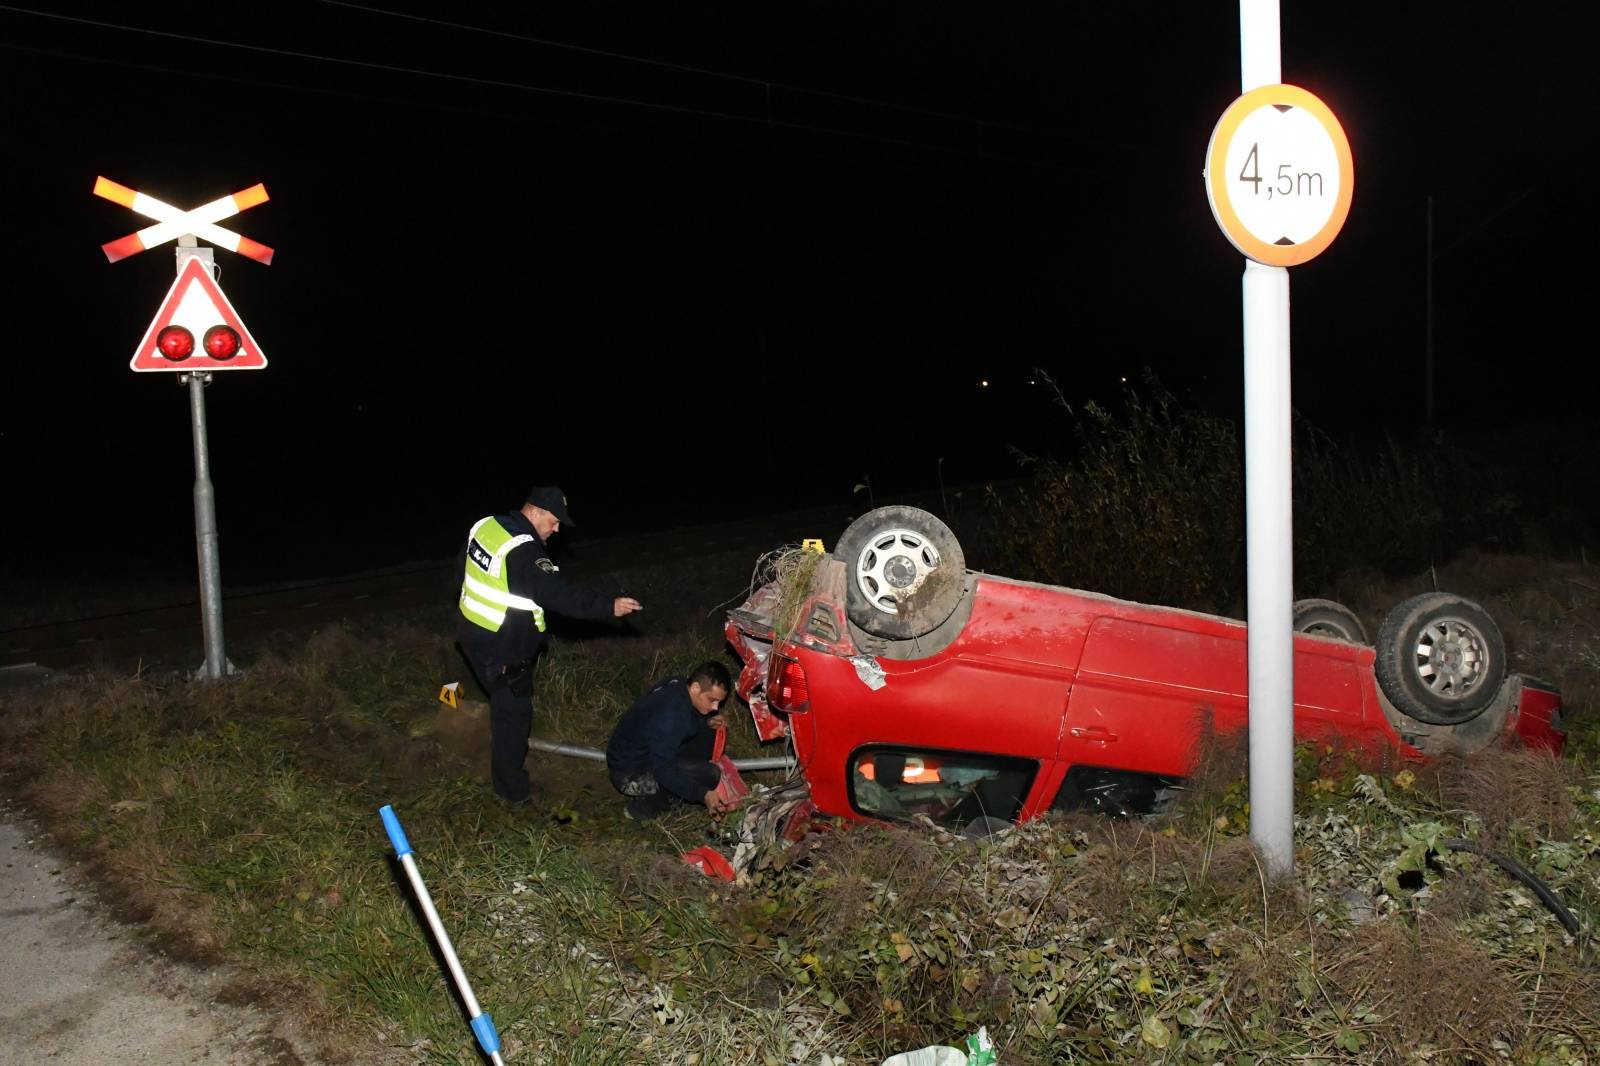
1279, 175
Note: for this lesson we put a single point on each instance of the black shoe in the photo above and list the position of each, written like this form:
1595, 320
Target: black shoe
515, 804
640, 809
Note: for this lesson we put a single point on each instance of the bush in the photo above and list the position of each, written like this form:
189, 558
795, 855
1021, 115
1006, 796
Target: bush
1150, 509
1398, 510
1150, 506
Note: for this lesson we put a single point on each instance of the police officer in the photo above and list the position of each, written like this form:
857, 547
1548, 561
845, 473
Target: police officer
508, 583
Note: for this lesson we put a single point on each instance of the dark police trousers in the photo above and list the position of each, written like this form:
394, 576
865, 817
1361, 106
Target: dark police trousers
694, 762
510, 724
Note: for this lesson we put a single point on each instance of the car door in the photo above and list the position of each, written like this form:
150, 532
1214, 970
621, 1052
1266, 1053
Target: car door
1149, 686
1146, 690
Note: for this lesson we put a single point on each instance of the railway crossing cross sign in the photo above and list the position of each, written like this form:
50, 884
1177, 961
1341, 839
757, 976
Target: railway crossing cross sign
197, 330
172, 222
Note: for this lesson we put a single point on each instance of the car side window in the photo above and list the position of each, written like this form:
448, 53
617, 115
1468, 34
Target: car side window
953, 788
1115, 792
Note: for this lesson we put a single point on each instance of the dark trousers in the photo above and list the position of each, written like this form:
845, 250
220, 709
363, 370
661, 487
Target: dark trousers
698, 748
510, 724
694, 762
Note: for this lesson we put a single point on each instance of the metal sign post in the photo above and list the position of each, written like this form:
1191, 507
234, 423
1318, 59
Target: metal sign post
205, 532
1268, 503
1269, 549
205, 502
196, 322
1279, 178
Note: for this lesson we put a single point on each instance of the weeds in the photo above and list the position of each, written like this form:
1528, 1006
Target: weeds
239, 820
1149, 509
1150, 506
789, 570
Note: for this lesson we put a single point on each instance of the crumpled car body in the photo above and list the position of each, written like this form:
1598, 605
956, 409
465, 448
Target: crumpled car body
1031, 698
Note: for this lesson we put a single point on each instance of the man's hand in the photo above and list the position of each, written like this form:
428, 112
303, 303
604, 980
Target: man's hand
625, 605
716, 721
716, 805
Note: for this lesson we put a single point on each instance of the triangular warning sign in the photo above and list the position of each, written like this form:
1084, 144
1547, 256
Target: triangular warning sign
196, 303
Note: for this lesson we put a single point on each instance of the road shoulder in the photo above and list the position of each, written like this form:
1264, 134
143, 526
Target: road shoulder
80, 987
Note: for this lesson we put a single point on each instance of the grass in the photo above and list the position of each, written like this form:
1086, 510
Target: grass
238, 822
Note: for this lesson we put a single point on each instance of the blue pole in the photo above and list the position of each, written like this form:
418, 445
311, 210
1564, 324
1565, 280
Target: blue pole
482, 1024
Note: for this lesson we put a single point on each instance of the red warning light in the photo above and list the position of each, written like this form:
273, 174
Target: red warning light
221, 342
175, 343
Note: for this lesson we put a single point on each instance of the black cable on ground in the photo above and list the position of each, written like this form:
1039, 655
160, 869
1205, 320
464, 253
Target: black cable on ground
1523, 874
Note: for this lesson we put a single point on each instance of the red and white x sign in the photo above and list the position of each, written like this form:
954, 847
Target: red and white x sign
172, 222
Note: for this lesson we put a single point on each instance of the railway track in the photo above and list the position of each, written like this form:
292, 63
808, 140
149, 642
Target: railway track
171, 633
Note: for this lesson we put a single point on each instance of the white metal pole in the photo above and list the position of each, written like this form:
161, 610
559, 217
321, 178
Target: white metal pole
1269, 507
1269, 541
1260, 60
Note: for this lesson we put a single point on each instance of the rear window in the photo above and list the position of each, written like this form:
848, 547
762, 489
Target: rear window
953, 788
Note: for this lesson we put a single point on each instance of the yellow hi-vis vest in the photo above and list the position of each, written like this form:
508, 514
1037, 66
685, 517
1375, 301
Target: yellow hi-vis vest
485, 588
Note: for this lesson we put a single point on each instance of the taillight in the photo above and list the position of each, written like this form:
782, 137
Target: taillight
221, 342
175, 343
787, 691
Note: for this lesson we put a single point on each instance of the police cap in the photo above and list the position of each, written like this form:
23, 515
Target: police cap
552, 499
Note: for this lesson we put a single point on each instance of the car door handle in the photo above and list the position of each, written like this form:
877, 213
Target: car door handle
1093, 732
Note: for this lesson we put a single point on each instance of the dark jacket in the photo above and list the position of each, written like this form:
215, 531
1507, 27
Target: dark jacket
652, 734
532, 574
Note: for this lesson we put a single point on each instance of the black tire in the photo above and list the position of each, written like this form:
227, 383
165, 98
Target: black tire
1441, 658
1325, 618
903, 572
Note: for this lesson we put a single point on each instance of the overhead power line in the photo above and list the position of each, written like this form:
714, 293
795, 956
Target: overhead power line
746, 79
573, 94
233, 79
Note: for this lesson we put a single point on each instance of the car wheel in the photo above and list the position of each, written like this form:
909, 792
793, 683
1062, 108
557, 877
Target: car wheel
904, 572
1325, 618
1441, 658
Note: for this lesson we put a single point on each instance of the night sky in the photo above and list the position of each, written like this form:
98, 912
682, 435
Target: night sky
696, 261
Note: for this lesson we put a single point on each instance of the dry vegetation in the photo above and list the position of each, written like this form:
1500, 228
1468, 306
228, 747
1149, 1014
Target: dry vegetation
238, 820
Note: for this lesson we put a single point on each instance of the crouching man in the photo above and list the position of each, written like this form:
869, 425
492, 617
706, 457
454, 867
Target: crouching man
661, 750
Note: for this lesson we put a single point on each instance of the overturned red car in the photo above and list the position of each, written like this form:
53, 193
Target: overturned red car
910, 685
